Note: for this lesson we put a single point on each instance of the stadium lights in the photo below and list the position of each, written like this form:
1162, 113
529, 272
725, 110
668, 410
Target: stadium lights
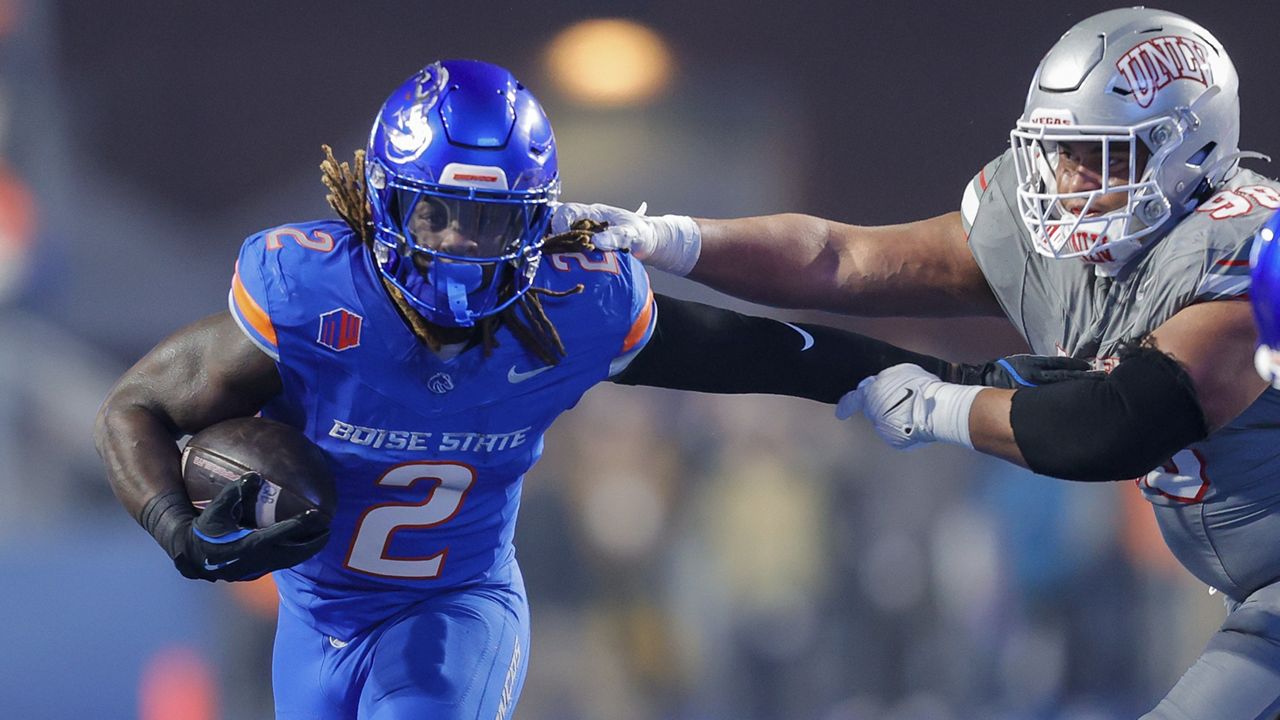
609, 62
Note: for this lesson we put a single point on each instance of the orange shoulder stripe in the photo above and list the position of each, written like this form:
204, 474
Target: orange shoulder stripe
250, 310
640, 326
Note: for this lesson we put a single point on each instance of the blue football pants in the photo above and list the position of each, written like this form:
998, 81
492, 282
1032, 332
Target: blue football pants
461, 655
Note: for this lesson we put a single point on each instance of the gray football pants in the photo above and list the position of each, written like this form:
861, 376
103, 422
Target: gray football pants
1237, 677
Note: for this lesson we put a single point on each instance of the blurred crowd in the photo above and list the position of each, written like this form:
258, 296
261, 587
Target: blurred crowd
688, 557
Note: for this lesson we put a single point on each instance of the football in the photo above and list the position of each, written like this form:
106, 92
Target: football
295, 473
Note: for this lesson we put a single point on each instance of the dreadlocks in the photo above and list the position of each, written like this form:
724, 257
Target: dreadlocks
525, 318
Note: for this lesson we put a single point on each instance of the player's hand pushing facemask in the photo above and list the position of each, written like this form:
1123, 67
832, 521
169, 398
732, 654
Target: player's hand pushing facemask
666, 242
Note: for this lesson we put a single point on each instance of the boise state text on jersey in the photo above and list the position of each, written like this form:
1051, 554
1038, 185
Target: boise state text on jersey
428, 452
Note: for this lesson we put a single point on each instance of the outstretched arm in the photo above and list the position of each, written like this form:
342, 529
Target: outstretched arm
709, 349
919, 269
1193, 376
1202, 379
922, 269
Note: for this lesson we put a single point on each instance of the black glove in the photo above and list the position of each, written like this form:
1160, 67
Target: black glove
1019, 371
216, 546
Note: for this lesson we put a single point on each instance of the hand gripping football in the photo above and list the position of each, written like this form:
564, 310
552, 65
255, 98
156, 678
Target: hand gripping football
295, 472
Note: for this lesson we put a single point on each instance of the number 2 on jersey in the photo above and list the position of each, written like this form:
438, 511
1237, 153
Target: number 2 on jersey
319, 240
449, 484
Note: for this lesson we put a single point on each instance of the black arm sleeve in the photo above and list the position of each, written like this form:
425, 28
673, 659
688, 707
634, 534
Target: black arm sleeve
708, 349
1113, 427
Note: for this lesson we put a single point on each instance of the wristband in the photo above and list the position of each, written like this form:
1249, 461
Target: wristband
677, 243
948, 411
166, 517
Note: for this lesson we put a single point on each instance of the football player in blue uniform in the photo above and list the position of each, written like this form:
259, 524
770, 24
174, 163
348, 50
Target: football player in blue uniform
1264, 294
426, 341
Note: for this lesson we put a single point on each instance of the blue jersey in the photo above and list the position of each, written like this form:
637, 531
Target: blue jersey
428, 453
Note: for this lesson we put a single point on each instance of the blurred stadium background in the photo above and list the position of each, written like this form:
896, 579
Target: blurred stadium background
688, 557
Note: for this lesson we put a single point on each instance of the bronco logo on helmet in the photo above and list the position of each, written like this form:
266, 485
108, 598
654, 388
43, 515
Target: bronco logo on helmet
411, 134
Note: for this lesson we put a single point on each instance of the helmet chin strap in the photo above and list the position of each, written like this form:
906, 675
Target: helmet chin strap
451, 282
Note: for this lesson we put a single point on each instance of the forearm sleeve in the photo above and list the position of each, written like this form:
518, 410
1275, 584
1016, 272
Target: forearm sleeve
708, 349
166, 517
1115, 427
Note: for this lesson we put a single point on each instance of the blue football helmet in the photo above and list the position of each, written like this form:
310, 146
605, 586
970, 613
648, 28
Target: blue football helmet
461, 171
1264, 294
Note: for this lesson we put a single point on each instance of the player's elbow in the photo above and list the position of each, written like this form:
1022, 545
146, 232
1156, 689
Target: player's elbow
1113, 428
1126, 453
881, 270
100, 431
110, 414
821, 244
126, 404
841, 262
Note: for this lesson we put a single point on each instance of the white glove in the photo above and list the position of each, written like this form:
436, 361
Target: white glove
666, 242
908, 406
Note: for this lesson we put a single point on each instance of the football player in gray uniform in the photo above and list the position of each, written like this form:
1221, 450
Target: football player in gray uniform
1116, 229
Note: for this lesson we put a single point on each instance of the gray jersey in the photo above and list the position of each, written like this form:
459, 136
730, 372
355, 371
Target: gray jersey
1217, 501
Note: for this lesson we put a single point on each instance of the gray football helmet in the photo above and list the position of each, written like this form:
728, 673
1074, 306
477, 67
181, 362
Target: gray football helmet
1146, 83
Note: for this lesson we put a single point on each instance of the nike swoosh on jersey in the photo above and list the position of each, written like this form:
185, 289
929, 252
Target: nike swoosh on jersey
904, 398
218, 566
515, 376
808, 339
